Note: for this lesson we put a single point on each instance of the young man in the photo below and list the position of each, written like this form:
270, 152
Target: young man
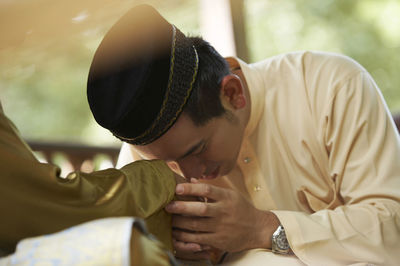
297, 153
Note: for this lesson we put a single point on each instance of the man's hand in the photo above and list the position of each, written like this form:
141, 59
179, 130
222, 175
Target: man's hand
225, 221
180, 180
191, 251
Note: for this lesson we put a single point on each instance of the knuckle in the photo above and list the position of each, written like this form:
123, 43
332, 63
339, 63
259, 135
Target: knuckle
181, 245
203, 209
207, 190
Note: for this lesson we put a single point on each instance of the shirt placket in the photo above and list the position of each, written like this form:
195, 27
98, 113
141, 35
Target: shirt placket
255, 183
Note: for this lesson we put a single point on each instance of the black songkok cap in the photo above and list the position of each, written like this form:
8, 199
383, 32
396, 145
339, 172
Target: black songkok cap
141, 76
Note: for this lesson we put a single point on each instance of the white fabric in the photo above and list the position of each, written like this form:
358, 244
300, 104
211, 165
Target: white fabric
100, 242
125, 156
260, 257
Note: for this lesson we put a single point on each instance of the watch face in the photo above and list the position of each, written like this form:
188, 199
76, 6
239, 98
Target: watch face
281, 241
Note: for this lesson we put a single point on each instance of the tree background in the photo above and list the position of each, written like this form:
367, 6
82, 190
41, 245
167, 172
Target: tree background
46, 48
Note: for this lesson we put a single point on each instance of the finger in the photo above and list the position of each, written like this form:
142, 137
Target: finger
206, 247
203, 199
190, 251
194, 180
186, 247
202, 224
201, 255
191, 208
192, 237
201, 189
188, 198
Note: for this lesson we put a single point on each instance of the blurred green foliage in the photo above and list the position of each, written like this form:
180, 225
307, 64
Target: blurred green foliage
43, 81
366, 30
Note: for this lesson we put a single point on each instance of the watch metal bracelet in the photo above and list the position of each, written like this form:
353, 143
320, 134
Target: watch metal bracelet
279, 242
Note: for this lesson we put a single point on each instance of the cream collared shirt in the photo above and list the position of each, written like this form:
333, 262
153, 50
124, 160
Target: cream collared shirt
322, 152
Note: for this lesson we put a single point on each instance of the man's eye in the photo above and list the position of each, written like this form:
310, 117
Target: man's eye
200, 150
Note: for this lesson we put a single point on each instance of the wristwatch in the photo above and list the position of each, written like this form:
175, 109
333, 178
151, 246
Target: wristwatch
280, 245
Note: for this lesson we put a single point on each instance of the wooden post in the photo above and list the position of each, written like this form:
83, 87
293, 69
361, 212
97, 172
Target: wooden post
239, 29
222, 23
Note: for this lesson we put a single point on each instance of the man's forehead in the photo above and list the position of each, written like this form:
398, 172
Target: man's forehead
175, 143
146, 153
169, 151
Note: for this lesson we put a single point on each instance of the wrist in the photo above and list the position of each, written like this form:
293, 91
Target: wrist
268, 223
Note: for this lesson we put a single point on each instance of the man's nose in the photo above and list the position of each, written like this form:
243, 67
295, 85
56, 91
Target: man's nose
191, 168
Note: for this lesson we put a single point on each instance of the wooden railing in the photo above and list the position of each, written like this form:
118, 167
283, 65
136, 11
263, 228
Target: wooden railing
72, 156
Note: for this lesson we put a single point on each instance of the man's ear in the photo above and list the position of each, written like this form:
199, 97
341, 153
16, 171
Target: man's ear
232, 92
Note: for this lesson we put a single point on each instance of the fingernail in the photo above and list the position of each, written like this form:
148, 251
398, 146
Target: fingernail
179, 189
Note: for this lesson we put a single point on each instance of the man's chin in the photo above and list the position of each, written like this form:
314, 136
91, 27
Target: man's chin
227, 170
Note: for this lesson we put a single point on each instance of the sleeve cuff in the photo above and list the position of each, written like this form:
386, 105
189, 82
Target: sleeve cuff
293, 232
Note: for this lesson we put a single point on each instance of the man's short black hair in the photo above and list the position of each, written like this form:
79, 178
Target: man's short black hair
204, 102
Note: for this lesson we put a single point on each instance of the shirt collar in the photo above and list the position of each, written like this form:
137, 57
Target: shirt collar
256, 89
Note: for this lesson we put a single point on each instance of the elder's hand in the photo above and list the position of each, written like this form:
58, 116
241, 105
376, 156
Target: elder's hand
226, 221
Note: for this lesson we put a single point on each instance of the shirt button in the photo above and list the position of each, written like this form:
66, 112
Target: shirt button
247, 160
71, 176
257, 188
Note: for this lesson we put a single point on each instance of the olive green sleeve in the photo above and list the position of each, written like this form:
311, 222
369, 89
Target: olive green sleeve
35, 200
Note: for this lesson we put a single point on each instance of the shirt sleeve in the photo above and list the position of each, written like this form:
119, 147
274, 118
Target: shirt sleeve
364, 163
125, 155
35, 200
